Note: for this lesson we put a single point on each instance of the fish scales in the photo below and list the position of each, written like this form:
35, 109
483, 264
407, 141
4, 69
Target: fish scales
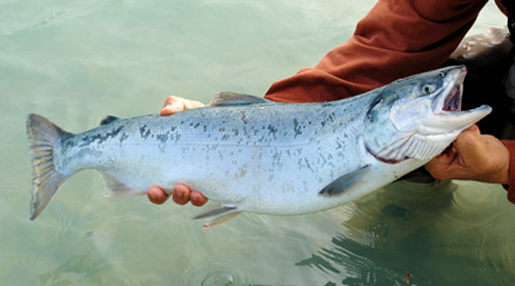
252, 148
250, 154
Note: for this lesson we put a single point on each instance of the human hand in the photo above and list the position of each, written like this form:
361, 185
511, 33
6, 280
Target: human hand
181, 193
473, 157
174, 104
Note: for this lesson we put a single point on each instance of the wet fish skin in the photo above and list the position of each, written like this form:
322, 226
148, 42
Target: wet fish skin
250, 154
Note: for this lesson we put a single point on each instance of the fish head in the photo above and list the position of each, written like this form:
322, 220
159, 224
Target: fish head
419, 116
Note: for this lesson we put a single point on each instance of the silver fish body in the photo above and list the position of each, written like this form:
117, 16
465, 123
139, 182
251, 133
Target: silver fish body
250, 154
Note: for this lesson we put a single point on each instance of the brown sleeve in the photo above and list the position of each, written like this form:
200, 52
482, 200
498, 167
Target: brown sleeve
511, 187
397, 38
501, 7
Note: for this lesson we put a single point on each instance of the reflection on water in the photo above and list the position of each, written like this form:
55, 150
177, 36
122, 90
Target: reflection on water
77, 61
77, 264
446, 234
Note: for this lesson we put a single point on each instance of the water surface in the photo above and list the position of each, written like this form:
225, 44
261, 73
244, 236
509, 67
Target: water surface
77, 61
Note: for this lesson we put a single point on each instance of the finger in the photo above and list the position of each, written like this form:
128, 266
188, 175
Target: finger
191, 103
197, 199
172, 105
181, 194
157, 195
440, 165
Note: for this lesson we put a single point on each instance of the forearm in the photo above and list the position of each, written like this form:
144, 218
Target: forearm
394, 40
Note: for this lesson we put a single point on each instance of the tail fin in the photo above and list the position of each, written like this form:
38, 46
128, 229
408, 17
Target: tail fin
46, 180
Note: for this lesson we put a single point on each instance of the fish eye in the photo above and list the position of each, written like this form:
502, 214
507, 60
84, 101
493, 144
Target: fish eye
428, 88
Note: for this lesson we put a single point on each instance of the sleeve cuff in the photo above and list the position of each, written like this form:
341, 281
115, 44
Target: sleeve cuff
511, 187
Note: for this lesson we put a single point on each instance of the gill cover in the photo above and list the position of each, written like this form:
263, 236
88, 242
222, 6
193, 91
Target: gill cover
419, 116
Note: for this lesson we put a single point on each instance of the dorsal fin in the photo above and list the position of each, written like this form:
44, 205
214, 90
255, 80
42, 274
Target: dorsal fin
226, 98
108, 119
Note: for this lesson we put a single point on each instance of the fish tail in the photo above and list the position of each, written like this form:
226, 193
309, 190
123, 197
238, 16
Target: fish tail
46, 180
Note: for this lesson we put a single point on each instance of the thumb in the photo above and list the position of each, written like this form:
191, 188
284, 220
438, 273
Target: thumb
471, 148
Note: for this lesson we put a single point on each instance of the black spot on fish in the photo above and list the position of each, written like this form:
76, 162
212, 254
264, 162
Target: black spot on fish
243, 117
177, 137
339, 143
272, 130
67, 143
296, 128
144, 132
162, 137
276, 162
89, 139
124, 137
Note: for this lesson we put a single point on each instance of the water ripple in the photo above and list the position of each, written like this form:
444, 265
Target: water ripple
19, 17
217, 271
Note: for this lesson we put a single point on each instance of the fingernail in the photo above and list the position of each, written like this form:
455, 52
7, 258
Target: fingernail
179, 193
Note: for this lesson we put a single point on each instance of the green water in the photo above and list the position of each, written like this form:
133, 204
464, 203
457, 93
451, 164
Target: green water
77, 61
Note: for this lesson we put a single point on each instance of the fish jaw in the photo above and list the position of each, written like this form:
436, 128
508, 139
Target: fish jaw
447, 115
453, 122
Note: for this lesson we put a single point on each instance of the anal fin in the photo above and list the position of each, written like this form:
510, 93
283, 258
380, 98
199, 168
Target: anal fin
218, 214
221, 219
345, 183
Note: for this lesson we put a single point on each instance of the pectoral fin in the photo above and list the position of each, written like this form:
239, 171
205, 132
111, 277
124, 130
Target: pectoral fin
346, 182
218, 214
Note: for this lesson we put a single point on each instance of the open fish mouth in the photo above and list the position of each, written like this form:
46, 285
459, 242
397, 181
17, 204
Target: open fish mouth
452, 101
448, 115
